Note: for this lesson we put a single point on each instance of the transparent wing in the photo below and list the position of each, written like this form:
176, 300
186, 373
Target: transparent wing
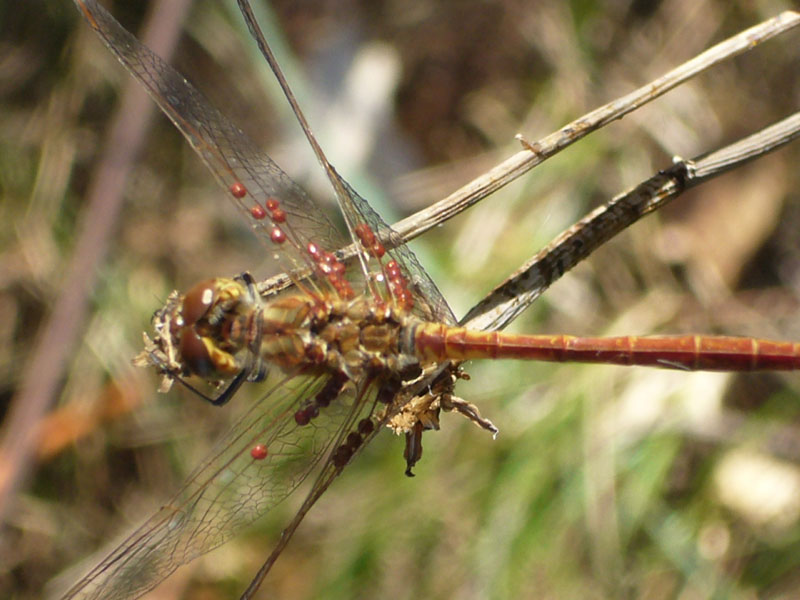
267, 198
429, 303
230, 489
384, 282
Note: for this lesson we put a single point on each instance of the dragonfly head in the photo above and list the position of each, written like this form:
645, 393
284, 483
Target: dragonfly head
207, 337
205, 332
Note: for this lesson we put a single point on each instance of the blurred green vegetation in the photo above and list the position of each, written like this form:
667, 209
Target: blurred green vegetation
604, 482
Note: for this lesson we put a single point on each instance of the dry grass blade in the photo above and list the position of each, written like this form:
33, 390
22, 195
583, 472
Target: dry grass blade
22, 429
526, 284
535, 153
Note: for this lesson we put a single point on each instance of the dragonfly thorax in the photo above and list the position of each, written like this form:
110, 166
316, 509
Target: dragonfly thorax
221, 327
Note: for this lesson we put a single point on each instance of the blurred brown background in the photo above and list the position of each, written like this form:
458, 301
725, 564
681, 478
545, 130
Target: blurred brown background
604, 481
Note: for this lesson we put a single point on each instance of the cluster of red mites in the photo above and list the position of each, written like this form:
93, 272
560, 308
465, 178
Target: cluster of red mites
323, 398
332, 269
278, 215
329, 392
397, 283
342, 455
258, 212
369, 241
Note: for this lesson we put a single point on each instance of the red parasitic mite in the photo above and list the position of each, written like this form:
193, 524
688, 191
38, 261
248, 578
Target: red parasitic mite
314, 250
259, 452
238, 190
277, 235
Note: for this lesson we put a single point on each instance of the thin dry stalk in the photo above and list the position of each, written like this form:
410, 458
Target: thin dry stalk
49, 359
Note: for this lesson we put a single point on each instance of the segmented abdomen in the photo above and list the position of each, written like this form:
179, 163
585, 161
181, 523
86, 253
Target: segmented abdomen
437, 342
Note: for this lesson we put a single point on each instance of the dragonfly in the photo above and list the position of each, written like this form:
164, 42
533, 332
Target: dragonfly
358, 339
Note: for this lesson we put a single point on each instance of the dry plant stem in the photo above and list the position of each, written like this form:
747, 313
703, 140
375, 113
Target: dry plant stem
522, 162
521, 288
47, 364
537, 152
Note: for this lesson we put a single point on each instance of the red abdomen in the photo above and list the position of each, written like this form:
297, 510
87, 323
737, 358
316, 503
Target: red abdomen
437, 342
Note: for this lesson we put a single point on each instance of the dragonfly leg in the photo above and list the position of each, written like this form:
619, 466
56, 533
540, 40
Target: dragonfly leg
470, 411
229, 391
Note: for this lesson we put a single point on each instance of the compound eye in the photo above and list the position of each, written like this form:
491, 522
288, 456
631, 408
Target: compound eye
195, 354
198, 300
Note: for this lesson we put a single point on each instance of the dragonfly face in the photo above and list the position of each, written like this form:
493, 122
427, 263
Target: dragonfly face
212, 326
